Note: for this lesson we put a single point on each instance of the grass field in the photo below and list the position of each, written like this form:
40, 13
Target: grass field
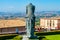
53, 37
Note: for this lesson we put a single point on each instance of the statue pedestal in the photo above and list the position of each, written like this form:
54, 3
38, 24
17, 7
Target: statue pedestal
25, 37
33, 38
29, 38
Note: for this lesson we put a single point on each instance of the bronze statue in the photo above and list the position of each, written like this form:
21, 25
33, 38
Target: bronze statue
30, 20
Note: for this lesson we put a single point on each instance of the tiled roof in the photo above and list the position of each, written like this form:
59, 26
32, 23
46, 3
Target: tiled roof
12, 23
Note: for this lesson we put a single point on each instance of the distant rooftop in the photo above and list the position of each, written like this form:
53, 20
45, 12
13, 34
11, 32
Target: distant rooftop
12, 23
54, 18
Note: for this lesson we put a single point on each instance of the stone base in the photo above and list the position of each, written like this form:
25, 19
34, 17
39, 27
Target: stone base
25, 38
31, 38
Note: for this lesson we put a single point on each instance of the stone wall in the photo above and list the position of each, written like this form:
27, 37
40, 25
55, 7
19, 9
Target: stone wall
12, 30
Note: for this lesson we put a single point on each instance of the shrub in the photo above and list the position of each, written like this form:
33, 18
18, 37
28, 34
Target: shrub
17, 38
46, 33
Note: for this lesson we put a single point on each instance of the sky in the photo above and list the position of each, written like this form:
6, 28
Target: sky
20, 5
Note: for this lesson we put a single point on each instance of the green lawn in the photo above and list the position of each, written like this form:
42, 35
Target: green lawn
53, 37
